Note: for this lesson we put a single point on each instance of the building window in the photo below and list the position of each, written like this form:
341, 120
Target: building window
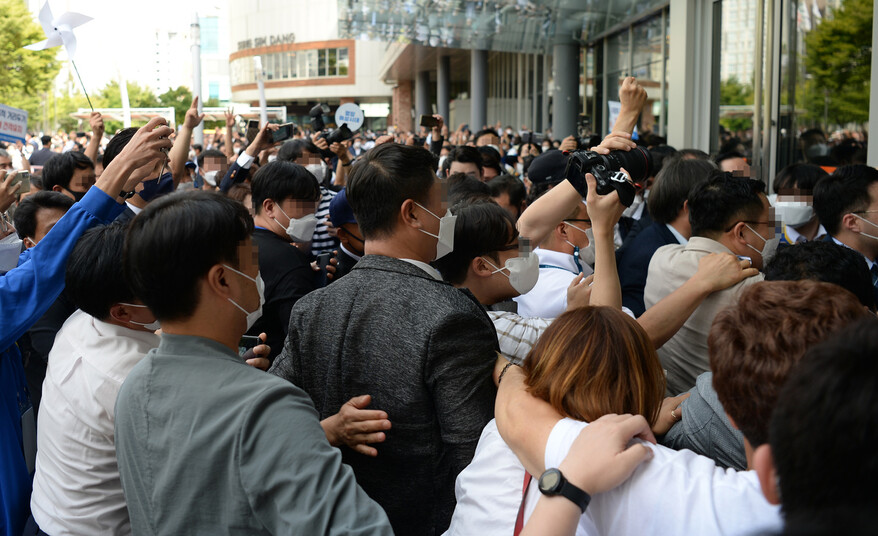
306, 64
209, 35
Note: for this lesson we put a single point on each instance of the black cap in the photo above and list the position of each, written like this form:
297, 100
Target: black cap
548, 168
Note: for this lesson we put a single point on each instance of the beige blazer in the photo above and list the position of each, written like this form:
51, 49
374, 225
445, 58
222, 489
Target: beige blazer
685, 356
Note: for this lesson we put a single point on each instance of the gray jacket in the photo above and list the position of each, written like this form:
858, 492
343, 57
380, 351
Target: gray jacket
705, 429
425, 351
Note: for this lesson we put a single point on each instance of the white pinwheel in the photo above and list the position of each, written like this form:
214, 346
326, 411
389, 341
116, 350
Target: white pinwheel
59, 30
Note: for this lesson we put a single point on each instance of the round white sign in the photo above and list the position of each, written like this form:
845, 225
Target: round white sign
349, 114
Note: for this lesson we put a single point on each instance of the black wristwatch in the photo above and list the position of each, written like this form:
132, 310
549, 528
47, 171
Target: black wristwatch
552, 482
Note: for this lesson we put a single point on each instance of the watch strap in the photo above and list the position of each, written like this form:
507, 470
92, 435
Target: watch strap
564, 488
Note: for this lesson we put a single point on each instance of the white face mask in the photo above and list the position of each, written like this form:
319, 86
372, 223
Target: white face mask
210, 177
546, 147
152, 326
445, 244
253, 316
318, 170
794, 213
586, 254
523, 272
299, 229
357, 145
768, 249
10, 249
870, 223
272, 157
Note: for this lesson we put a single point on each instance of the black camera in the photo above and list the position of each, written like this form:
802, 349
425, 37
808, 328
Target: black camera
342, 133
606, 170
316, 114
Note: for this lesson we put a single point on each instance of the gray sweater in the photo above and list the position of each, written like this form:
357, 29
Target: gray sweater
209, 445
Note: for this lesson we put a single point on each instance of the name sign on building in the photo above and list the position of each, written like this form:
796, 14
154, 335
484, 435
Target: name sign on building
266, 41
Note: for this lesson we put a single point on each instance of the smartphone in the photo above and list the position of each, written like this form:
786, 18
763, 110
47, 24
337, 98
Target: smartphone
322, 262
23, 178
283, 133
429, 121
252, 130
249, 341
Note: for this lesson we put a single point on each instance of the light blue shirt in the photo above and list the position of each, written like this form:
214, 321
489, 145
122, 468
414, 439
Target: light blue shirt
680, 238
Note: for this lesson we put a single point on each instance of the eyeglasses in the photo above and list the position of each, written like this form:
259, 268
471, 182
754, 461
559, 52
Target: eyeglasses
863, 211
584, 221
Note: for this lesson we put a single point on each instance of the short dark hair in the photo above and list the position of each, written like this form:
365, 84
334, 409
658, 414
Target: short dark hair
281, 180
829, 476
173, 243
94, 280
462, 187
673, 184
464, 154
755, 343
293, 150
490, 158
845, 190
661, 154
117, 143
824, 261
723, 199
46, 140
383, 179
801, 176
728, 155
59, 169
212, 153
482, 228
509, 185
25, 217
485, 132
697, 154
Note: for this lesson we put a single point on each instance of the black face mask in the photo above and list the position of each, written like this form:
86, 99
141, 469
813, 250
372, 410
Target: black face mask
77, 195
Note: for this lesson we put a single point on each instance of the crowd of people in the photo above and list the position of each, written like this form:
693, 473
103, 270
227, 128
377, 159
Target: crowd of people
433, 333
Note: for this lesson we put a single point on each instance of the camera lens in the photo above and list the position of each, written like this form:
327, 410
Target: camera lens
637, 162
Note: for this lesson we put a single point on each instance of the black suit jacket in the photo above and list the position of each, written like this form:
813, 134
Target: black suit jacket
632, 261
425, 351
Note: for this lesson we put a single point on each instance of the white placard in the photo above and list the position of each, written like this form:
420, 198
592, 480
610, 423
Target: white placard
13, 124
349, 114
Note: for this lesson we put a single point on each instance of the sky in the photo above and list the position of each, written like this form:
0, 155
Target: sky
122, 33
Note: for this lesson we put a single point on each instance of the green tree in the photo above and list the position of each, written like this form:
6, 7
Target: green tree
733, 92
838, 56
180, 99
111, 97
25, 75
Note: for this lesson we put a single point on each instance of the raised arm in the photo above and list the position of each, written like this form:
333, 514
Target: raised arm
344, 162
180, 152
716, 271
228, 150
604, 211
97, 134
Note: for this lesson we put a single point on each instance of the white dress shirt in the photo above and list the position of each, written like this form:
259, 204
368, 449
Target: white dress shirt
548, 298
674, 493
77, 489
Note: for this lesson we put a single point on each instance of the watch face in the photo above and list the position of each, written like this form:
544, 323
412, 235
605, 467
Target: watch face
550, 480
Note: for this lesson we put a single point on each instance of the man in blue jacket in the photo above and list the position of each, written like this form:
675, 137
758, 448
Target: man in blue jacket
27, 291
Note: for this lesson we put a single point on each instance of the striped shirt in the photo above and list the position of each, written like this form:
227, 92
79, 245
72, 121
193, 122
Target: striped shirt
322, 242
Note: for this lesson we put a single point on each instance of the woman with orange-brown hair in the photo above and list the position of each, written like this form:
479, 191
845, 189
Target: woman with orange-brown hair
592, 362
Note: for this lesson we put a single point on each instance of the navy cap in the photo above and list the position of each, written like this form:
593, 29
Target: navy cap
190, 164
340, 212
548, 168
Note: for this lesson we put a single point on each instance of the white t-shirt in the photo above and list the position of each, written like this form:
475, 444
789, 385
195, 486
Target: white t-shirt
77, 489
677, 492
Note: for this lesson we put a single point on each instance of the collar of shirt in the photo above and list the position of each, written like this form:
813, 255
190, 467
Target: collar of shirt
351, 254
700, 243
192, 345
432, 272
557, 259
135, 210
793, 236
680, 238
869, 261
